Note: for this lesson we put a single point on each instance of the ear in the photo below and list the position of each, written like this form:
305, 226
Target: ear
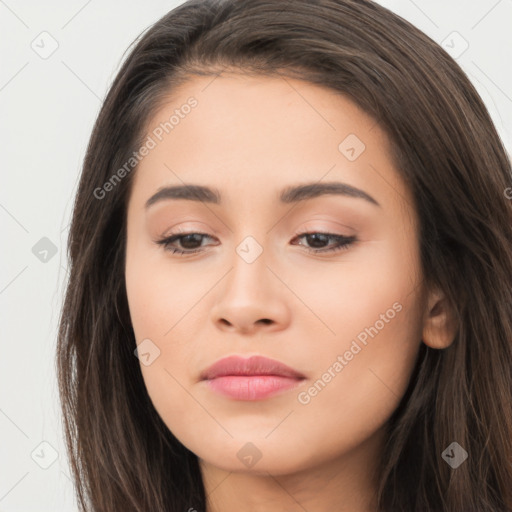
439, 326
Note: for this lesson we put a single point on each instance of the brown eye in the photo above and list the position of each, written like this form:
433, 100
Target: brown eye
318, 241
190, 243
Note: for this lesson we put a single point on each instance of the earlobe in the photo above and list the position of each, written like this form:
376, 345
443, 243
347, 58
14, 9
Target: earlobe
439, 326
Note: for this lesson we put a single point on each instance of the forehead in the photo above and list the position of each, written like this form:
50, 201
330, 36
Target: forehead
254, 134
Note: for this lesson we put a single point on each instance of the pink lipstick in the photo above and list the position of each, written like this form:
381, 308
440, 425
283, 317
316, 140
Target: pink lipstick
255, 378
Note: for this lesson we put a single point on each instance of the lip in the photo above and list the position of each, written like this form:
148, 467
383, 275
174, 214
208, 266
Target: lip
253, 378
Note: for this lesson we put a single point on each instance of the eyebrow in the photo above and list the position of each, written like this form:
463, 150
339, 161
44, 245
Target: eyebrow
292, 194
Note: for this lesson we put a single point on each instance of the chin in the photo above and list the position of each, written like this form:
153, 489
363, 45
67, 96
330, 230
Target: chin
256, 457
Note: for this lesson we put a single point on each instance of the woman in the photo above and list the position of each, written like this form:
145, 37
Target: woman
290, 272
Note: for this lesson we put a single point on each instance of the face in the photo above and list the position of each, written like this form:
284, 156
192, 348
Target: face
326, 281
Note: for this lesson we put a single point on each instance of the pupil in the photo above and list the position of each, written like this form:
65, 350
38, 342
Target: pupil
317, 236
188, 238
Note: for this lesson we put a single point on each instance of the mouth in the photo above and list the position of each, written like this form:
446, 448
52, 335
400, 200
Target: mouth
255, 378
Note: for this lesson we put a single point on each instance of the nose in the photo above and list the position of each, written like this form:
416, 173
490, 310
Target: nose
251, 299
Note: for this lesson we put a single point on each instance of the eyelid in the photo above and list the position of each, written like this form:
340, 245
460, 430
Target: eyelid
186, 229
313, 226
310, 226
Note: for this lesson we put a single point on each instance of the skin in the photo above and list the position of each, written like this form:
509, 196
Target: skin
250, 137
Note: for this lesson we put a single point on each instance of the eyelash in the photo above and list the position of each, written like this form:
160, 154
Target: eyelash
344, 242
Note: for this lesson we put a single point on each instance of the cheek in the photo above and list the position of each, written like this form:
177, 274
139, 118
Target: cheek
157, 310
163, 305
360, 295
357, 393
362, 367
162, 296
359, 380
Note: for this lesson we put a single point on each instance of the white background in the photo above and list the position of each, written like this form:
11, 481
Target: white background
48, 107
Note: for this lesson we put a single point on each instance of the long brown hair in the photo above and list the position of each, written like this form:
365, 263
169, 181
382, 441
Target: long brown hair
447, 151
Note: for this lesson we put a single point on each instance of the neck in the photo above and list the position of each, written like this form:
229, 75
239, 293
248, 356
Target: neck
347, 483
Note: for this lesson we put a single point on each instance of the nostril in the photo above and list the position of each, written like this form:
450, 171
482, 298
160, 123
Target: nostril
265, 321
